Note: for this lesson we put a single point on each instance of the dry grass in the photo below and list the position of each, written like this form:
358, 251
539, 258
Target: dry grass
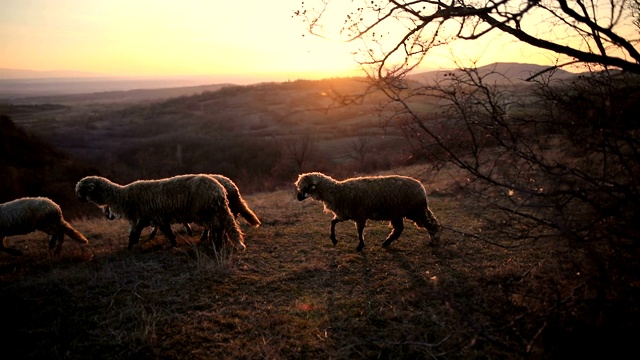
292, 294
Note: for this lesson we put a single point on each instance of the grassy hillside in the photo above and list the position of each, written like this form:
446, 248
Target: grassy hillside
292, 294
32, 167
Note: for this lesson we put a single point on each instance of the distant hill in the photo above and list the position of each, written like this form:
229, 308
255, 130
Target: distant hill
35, 74
109, 97
497, 73
20, 85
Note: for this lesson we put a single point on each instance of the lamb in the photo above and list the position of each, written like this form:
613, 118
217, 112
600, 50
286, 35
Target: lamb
371, 198
112, 216
29, 214
237, 205
180, 199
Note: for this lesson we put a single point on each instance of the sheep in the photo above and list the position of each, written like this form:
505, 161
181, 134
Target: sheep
179, 199
237, 205
29, 214
110, 215
360, 199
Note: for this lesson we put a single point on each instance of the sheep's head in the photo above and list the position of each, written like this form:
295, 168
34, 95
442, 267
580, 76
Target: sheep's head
88, 189
307, 185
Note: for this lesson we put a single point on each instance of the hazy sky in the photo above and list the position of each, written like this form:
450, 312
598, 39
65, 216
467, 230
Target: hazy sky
179, 37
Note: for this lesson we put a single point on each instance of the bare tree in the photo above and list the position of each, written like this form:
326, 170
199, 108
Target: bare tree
360, 150
489, 130
301, 150
397, 35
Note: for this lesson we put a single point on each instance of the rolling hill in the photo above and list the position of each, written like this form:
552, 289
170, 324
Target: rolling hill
499, 73
261, 135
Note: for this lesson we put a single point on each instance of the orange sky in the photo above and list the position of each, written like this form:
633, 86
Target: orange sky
187, 37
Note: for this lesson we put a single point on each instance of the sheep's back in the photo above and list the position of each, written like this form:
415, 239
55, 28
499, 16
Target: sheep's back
26, 215
177, 199
379, 198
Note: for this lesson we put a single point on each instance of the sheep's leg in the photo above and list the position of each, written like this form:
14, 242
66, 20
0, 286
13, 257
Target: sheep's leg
56, 241
7, 250
360, 226
154, 231
168, 232
52, 242
188, 228
135, 229
334, 221
398, 226
205, 235
217, 237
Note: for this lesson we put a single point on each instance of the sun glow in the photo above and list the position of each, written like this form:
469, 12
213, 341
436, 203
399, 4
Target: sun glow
145, 37
253, 39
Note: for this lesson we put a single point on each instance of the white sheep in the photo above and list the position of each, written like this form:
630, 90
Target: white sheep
29, 214
237, 204
371, 198
180, 199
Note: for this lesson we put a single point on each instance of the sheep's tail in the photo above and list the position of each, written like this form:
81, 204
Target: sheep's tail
248, 214
73, 233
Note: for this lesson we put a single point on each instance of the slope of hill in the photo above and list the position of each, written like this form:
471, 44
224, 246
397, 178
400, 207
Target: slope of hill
294, 295
32, 167
499, 73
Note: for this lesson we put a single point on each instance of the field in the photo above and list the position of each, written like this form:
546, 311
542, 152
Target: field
292, 294
496, 286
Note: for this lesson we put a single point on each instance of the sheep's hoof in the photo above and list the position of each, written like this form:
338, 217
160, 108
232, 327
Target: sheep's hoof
360, 247
386, 244
334, 241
